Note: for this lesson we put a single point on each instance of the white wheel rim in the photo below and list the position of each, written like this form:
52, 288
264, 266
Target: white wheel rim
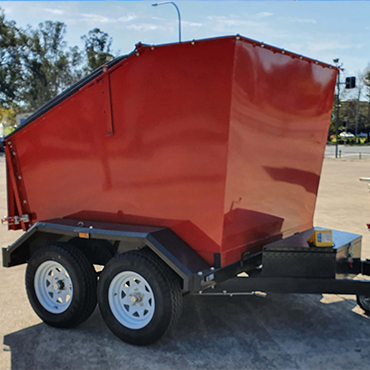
53, 287
131, 300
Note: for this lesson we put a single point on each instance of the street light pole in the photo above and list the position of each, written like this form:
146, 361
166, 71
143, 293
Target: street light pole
178, 13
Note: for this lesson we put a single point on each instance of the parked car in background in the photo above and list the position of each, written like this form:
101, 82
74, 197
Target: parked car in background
346, 135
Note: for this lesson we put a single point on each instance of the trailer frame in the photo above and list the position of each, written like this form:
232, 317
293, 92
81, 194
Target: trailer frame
195, 275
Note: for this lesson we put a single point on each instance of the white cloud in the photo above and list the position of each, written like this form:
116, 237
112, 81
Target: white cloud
235, 24
97, 18
240, 23
302, 20
54, 11
331, 45
191, 24
216, 17
264, 14
126, 18
142, 27
367, 28
253, 25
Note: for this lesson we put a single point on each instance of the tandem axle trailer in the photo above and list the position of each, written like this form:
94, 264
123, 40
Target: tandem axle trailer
287, 266
187, 168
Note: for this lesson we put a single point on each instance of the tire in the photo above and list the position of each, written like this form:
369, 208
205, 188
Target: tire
64, 272
364, 303
98, 252
139, 298
147, 252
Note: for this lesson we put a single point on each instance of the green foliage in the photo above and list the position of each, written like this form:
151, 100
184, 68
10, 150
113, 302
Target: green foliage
36, 64
49, 67
8, 114
367, 78
97, 48
348, 111
11, 42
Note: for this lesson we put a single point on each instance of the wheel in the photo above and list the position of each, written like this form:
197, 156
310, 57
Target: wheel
61, 285
364, 302
139, 298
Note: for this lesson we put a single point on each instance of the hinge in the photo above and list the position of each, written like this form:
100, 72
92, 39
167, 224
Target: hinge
19, 192
16, 220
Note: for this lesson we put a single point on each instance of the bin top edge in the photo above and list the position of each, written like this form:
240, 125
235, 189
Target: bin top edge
140, 46
240, 38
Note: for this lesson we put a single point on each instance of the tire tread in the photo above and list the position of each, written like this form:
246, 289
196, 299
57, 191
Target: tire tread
88, 281
171, 281
165, 279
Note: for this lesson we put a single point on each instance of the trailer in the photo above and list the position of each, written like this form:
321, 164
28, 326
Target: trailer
177, 168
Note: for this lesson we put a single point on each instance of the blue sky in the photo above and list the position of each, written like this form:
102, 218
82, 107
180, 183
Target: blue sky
319, 29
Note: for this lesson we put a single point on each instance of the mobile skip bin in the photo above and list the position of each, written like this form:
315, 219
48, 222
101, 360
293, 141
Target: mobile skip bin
173, 167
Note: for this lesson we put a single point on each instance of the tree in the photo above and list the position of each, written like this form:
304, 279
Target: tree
367, 77
36, 64
97, 49
8, 114
11, 44
49, 67
361, 80
354, 113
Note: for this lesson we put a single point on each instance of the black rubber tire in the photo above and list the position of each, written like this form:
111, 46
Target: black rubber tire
166, 290
84, 281
147, 252
98, 252
364, 305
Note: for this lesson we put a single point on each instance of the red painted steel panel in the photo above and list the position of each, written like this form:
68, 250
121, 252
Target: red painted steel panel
222, 144
165, 164
280, 112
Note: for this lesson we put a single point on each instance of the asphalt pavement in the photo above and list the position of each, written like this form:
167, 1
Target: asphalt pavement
240, 332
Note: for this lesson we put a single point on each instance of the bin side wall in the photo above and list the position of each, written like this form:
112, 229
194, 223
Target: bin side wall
280, 114
165, 164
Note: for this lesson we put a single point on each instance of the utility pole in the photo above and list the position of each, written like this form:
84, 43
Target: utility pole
338, 104
357, 113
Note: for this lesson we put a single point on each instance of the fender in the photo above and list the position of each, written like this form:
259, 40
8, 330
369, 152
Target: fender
173, 251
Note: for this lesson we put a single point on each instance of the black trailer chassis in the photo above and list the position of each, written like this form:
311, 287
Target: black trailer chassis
286, 266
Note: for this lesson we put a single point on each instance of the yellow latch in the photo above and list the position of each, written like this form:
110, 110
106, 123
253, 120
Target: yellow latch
321, 238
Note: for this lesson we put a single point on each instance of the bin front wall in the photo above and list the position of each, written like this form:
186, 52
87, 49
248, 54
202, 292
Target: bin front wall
165, 164
280, 114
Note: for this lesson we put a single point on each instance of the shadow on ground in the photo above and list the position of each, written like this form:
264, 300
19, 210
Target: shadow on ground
277, 331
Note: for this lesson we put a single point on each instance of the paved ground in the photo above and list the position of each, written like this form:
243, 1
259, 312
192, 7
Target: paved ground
250, 332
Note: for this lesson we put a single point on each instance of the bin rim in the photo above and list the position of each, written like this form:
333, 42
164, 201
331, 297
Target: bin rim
140, 46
